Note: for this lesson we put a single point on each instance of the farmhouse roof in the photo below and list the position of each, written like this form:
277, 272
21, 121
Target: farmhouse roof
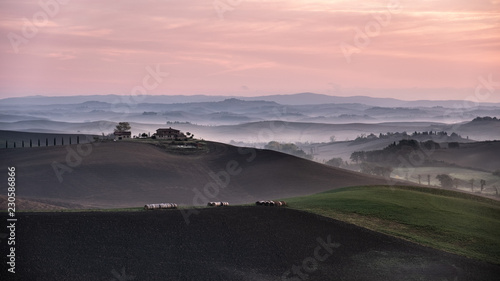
169, 130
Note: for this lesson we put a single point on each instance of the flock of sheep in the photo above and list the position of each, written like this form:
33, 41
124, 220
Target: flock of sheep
218, 204
271, 203
160, 206
211, 204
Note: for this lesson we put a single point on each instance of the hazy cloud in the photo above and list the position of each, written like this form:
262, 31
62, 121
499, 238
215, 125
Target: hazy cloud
278, 46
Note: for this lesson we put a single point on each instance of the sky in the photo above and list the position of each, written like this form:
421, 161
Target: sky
409, 50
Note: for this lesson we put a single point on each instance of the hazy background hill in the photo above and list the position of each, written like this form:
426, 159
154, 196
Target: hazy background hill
215, 111
259, 133
291, 99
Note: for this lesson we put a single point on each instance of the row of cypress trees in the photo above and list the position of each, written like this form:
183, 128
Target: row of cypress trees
38, 143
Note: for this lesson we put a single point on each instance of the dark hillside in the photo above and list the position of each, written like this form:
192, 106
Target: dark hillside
127, 174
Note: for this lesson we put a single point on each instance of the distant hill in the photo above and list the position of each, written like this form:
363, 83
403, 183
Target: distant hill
479, 155
127, 174
256, 132
15, 118
265, 131
219, 110
47, 100
290, 99
487, 127
473, 155
312, 98
344, 149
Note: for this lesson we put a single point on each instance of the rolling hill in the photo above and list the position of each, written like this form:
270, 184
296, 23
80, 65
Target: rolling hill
478, 155
130, 174
452, 221
39, 205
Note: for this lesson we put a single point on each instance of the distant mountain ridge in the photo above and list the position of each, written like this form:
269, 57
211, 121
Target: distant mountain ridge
291, 99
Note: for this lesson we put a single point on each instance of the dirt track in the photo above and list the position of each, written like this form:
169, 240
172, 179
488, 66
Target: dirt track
233, 243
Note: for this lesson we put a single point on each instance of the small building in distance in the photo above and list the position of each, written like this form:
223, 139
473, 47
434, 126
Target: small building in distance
119, 135
170, 134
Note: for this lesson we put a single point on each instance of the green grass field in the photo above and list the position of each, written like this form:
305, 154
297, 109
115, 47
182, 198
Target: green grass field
455, 222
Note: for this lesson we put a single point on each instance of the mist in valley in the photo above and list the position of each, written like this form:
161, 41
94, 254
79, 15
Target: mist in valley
309, 128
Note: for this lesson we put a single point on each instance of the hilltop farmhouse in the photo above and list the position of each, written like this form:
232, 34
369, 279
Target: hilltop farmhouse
171, 134
119, 135
122, 131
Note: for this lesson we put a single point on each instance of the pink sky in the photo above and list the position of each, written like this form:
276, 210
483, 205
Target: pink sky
260, 47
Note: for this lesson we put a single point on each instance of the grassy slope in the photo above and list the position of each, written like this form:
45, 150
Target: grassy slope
458, 223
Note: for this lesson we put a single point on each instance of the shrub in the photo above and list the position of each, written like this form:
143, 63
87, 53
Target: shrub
446, 181
335, 162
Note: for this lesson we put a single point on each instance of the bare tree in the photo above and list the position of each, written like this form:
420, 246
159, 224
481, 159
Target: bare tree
483, 183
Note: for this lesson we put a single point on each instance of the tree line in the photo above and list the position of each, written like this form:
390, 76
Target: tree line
392, 153
43, 142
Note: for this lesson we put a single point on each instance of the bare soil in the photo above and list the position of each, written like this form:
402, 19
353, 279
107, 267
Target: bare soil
225, 243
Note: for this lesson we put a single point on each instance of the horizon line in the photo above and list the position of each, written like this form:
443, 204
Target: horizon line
254, 96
